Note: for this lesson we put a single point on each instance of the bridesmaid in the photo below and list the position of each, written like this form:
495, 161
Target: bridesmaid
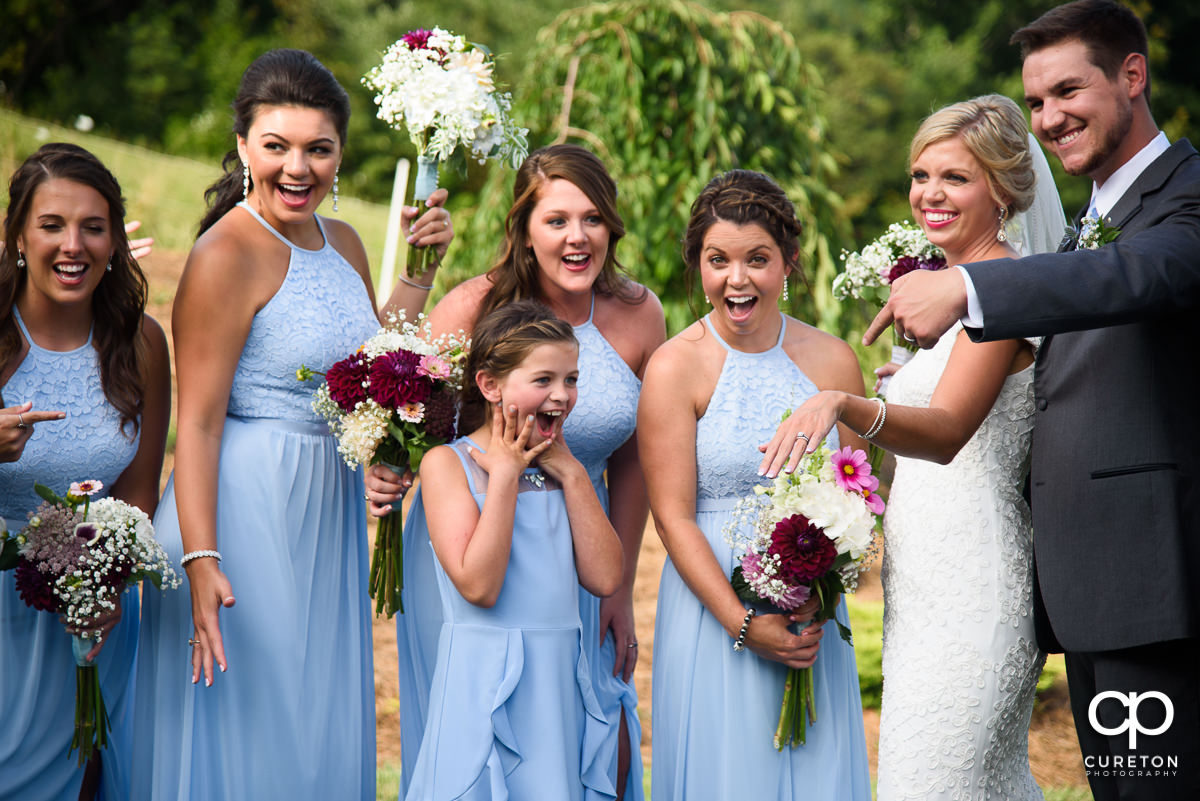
560, 241
261, 511
85, 377
712, 394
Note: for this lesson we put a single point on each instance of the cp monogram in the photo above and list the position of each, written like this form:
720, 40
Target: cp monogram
1131, 701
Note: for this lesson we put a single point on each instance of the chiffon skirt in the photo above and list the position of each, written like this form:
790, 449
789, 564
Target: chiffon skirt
37, 701
294, 716
715, 710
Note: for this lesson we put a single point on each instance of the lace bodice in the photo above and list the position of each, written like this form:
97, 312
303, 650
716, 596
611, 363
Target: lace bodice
745, 409
606, 413
320, 314
87, 444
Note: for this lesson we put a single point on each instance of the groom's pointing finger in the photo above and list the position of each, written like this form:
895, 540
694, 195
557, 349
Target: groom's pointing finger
879, 324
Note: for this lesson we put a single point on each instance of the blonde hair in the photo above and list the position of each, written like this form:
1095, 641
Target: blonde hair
993, 130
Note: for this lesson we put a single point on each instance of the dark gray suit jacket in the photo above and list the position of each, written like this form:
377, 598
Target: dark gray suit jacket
1116, 440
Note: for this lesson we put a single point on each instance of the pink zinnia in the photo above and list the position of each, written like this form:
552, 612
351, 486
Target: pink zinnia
852, 470
81, 488
435, 367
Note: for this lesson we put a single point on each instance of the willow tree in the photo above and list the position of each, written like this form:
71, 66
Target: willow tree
669, 94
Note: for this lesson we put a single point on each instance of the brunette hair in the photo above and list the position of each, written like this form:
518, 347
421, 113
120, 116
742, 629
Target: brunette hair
276, 78
1108, 30
515, 275
992, 129
743, 197
119, 300
499, 343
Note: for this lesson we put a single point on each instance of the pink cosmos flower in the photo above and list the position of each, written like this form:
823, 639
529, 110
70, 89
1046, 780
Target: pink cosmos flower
82, 488
874, 502
434, 367
851, 469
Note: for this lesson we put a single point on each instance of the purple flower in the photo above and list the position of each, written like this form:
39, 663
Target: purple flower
346, 380
34, 587
906, 264
418, 39
440, 410
394, 380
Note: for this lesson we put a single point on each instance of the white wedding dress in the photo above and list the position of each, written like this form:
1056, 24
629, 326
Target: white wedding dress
960, 662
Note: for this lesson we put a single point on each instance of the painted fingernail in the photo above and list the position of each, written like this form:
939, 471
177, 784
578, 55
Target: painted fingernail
528, 418
208, 682
222, 668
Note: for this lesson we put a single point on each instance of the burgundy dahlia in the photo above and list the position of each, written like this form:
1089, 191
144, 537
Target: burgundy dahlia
34, 588
418, 39
906, 264
394, 380
347, 381
804, 552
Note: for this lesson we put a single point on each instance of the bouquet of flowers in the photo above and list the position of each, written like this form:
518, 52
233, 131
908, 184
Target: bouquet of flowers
808, 532
75, 558
440, 88
391, 402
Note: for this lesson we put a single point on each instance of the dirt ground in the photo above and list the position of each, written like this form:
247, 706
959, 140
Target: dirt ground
1053, 747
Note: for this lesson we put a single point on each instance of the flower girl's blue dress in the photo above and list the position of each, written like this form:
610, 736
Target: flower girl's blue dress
512, 713
294, 717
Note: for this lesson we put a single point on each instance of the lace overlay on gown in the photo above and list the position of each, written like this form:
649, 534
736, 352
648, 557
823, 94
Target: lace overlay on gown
960, 663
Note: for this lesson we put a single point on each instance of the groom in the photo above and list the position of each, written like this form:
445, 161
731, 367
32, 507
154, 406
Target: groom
1116, 445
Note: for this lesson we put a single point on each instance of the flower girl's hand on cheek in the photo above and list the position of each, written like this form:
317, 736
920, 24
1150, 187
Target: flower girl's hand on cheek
557, 460
508, 453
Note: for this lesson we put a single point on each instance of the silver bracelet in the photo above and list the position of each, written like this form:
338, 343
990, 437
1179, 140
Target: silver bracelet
880, 418
190, 555
740, 643
412, 283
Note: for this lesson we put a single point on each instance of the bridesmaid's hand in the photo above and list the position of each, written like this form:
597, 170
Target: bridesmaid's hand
431, 229
16, 427
210, 592
139, 248
616, 613
769, 637
802, 432
385, 487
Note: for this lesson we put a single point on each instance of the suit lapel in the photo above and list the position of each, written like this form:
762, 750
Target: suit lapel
1152, 179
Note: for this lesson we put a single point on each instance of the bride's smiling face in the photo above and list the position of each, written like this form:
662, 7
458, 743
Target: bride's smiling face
951, 200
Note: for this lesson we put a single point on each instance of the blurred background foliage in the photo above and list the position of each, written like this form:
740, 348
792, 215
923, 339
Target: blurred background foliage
822, 94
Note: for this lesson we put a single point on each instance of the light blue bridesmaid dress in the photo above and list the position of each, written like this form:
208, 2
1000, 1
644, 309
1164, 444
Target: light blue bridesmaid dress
37, 669
604, 417
512, 713
294, 716
715, 710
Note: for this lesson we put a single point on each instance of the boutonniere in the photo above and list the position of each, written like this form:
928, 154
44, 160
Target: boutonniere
1095, 233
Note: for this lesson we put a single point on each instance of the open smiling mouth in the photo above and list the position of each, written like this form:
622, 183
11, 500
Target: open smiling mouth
740, 307
294, 195
545, 422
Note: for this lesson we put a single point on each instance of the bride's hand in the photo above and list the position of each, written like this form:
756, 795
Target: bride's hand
210, 592
802, 432
769, 637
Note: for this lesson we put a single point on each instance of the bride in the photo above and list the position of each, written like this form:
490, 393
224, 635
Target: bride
960, 661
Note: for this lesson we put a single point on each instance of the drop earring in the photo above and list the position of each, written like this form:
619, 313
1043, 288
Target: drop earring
335, 189
108, 267
1001, 236
245, 179
20, 260
785, 289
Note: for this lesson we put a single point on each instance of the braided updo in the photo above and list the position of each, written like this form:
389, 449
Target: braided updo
743, 197
499, 343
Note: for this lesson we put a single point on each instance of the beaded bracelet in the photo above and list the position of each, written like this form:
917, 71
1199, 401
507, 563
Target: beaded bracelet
189, 556
880, 418
740, 643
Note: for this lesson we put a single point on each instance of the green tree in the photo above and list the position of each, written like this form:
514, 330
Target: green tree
670, 94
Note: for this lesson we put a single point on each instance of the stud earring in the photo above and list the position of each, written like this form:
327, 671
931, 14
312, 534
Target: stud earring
335, 189
20, 260
1001, 236
108, 267
245, 179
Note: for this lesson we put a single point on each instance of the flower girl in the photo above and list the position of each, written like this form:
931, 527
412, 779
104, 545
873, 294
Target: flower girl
516, 527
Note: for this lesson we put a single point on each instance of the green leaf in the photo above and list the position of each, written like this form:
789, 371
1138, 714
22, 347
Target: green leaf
742, 588
47, 494
8, 553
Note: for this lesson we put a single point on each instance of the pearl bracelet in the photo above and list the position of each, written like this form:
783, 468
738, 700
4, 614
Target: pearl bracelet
740, 643
189, 556
880, 418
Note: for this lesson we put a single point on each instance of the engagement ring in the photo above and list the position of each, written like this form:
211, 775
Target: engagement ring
633, 645
193, 642
802, 436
